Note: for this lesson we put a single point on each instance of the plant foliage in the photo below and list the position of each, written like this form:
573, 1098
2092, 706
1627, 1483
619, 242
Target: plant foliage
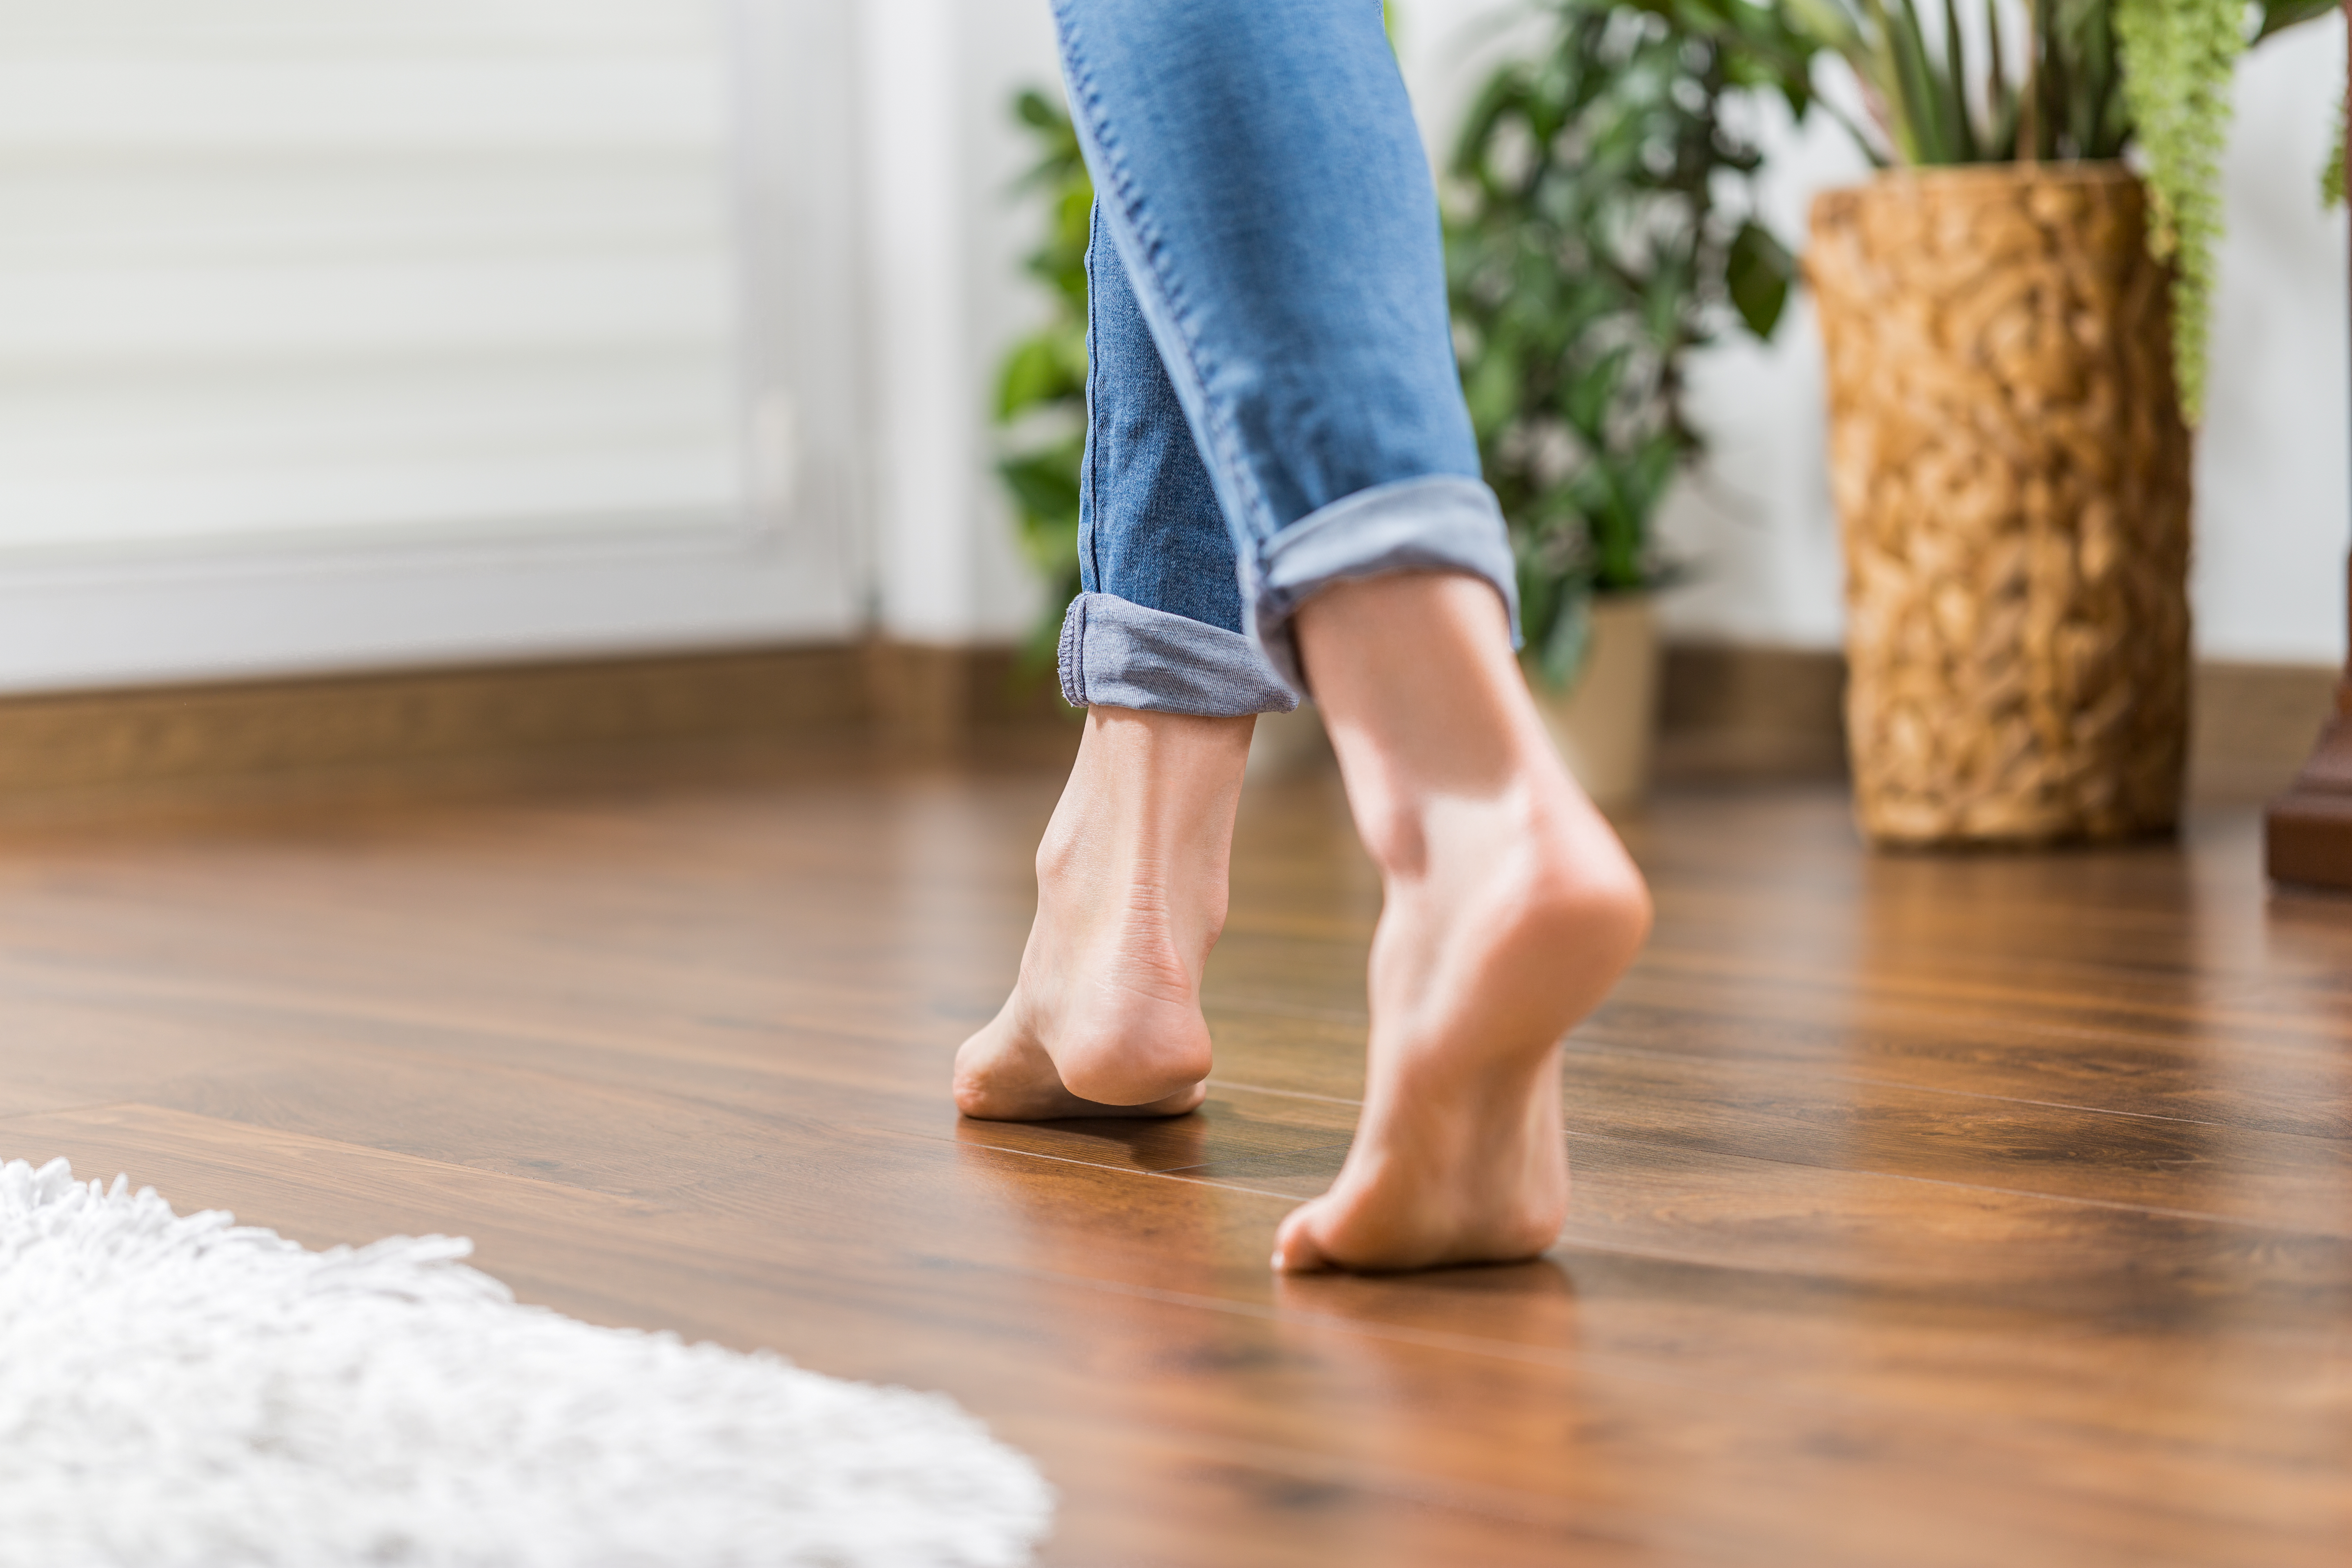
1041, 389
2331, 178
2054, 93
1601, 225
2061, 79
2181, 55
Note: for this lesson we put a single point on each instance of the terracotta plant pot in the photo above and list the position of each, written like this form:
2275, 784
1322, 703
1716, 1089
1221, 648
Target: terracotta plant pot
2012, 476
1606, 722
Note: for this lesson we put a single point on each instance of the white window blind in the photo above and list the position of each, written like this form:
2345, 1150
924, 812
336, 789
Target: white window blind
355, 333
345, 269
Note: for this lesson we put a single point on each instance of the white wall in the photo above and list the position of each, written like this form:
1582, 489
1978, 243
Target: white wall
945, 296
2273, 491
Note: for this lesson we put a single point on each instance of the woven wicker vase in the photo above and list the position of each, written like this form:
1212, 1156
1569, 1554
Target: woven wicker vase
2011, 474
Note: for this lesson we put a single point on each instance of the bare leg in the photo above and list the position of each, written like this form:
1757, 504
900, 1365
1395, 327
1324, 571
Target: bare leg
1509, 910
1105, 1019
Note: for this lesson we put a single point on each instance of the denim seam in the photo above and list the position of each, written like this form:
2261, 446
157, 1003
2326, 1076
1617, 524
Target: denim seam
1091, 128
1089, 507
1071, 656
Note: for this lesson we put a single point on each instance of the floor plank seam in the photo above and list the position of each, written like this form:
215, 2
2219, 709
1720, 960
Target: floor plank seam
1924, 995
451, 1167
2230, 1221
82, 1109
565, 1037
1587, 1047
1268, 1007
1088, 1165
1227, 1083
2158, 1211
2161, 1211
2282, 1040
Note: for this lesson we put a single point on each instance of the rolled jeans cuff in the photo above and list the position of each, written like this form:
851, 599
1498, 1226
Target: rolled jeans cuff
1118, 654
1443, 522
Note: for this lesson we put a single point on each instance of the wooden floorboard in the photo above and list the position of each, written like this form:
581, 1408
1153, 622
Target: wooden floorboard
1994, 1210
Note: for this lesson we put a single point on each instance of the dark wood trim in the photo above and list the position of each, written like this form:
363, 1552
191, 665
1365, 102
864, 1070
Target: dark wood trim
1729, 714
1732, 713
497, 726
1736, 713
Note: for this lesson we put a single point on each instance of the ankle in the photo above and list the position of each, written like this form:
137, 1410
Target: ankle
1149, 795
1172, 755
1538, 861
1444, 755
1588, 896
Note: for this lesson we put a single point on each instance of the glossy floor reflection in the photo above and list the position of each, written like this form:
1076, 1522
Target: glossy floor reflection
1990, 1210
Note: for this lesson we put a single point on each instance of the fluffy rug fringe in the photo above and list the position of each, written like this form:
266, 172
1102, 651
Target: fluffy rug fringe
183, 1392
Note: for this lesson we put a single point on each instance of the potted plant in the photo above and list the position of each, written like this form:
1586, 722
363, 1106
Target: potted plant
1600, 226
2015, 328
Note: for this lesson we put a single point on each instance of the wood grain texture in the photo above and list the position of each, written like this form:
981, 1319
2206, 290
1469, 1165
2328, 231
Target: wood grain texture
1939, 1212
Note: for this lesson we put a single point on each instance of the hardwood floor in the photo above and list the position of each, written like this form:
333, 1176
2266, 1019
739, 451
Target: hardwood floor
1982, 1211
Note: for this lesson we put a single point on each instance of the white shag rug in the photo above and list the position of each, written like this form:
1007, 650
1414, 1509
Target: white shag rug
179, 1392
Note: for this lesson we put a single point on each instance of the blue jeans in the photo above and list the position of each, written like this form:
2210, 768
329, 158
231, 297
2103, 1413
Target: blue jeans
1272, 401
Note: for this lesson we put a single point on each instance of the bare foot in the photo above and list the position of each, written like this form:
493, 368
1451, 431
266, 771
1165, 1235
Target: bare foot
1105, 1019
1510, 908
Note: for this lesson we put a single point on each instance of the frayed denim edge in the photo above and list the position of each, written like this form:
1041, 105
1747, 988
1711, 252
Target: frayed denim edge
1066, 654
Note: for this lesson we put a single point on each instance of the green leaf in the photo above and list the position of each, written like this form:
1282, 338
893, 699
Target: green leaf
2331, 178
1591, 393
2180, 57
1492, 390
1561, 658
1757, 269
1954, 86
2278, 16
1035, 109
1034, 373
